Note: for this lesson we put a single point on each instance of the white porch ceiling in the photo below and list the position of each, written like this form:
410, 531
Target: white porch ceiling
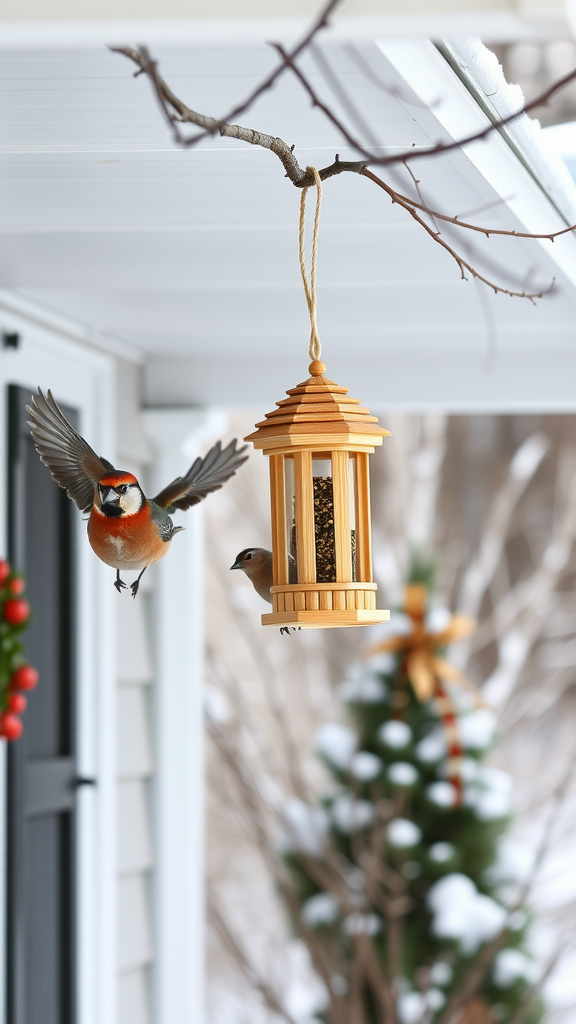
190, 257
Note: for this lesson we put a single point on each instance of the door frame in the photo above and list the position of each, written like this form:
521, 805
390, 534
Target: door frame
85, 379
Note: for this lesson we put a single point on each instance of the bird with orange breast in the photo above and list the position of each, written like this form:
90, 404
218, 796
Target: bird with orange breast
127, 530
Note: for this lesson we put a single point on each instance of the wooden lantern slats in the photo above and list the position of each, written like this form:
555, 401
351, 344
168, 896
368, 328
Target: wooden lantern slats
342, 539
318, 421
278, 503
304, 516
363, 531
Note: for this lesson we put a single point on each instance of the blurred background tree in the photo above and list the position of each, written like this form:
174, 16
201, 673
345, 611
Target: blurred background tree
412, 897
495, 497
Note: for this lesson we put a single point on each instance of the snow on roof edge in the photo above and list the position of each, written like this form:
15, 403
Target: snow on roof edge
484, 75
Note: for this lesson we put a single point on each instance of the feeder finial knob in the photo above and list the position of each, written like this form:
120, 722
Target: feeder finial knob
317, 368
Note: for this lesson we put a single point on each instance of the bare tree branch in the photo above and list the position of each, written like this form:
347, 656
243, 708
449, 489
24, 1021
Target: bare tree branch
300, 177
211, 126
214, 126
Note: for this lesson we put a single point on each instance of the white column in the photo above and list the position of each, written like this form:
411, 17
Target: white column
178, 810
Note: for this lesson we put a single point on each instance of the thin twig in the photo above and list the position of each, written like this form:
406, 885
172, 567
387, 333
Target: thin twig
461, 262
534, 991
254, 977
550, 235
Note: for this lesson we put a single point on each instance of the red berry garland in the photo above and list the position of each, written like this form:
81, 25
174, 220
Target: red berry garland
15, 674
16, 611
24, 678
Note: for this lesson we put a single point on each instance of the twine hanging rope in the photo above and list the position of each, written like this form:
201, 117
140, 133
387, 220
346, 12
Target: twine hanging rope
315, 348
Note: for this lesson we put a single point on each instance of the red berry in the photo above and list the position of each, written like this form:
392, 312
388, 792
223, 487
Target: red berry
16, 585
24, 678
10, 726
16, 610
4, 571
17, 703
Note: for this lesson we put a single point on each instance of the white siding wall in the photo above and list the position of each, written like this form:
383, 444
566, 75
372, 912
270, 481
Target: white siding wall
135, 760
55, 355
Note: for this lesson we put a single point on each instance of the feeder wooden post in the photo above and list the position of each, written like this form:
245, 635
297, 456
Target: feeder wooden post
321, 543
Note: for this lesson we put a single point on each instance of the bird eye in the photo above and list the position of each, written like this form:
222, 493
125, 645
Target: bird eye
122, 489
249, 555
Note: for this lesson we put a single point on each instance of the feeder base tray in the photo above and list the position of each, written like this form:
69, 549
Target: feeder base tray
326, 619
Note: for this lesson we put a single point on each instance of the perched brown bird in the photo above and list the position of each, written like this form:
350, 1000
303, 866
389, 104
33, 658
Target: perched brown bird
257, 564
125, 529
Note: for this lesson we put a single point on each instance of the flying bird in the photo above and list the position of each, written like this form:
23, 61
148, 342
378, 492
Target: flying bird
257, 564
127, 530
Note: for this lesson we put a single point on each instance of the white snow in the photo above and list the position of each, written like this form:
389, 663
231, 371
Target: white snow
306, 827
492, 805
411, 1007
337, 743
513, 863
365, 766
384, 662
305, 996
362, 924
510, 966
512, 653
396, 735
435, 999
528, 457
350, 814
437, 620
338, 984
402, 773
323, 908
517, 921
477, 729
441, 973
432, 748
216, 707
403, 833
468, 769
491, 794
363, 689
440, 853
443, 794
461, 912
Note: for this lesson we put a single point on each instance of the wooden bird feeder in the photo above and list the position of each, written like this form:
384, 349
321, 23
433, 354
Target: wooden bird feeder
318, 441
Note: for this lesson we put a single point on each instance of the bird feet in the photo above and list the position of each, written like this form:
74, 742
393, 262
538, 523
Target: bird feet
119, 584
134, 587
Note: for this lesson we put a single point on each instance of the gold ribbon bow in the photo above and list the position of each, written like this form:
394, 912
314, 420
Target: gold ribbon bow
423, 665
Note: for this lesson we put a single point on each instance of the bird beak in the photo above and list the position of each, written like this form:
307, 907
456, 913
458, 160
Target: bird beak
235, 566
111, 498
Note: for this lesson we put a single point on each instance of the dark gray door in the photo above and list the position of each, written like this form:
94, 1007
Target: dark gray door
41, 765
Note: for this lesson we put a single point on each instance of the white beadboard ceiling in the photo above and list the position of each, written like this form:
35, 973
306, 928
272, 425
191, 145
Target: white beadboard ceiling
190, 257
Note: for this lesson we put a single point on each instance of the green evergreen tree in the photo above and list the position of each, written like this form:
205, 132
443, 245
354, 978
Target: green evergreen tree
402, 888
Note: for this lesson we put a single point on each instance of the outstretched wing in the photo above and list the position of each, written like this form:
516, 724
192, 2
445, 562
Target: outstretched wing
204, 476
72, 462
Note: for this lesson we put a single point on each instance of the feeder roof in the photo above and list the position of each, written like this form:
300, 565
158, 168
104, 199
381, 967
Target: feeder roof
316, 410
